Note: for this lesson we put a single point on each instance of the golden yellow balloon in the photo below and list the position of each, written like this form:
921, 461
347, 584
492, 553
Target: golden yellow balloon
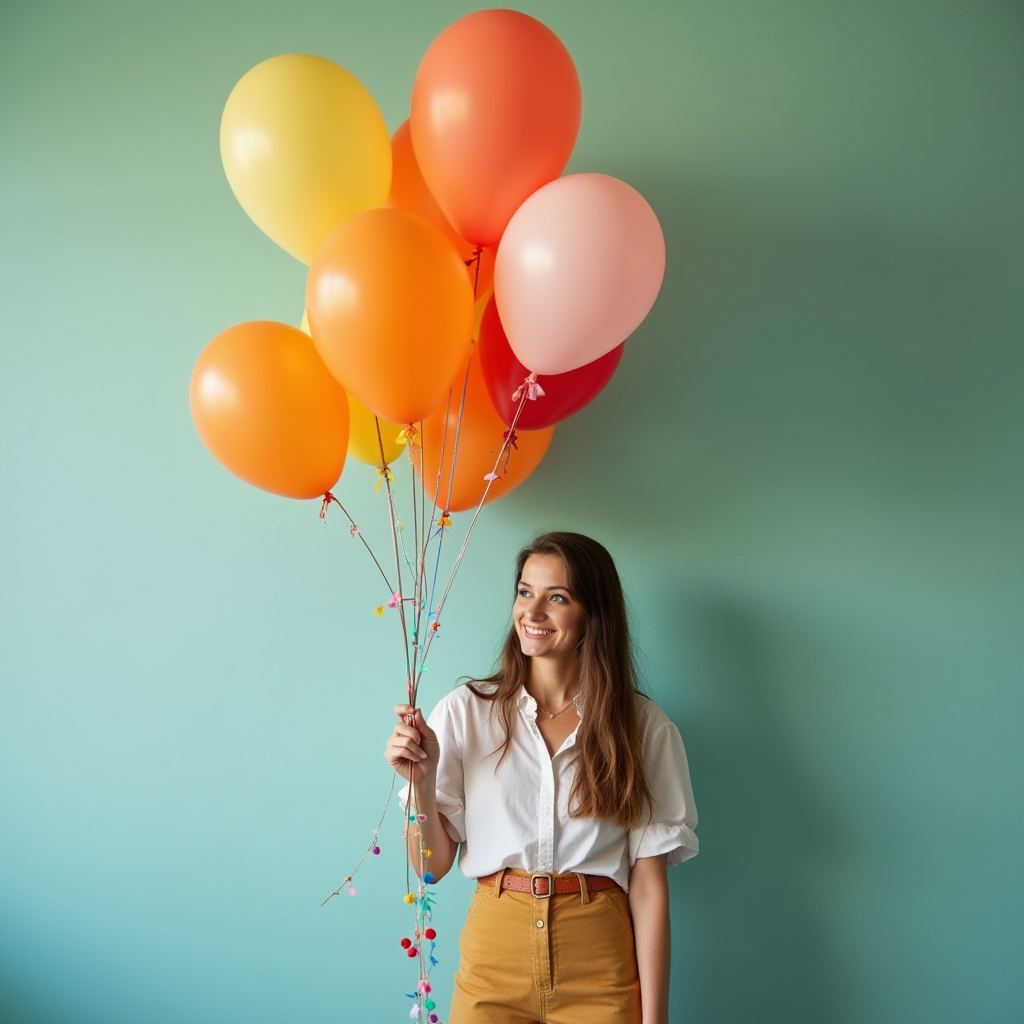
479, 309
304, 146
362, 436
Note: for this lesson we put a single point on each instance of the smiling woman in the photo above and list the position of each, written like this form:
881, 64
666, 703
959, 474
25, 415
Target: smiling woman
567, 821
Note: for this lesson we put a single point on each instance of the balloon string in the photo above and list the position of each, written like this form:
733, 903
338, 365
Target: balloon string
356, 532
490, 478
415, 577
458, 434
426, 534
465, 387
398, 561
476, 260
477, 253
373, 842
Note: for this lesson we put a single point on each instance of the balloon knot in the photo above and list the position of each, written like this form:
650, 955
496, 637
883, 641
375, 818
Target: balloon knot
531, 387
328, 498
383, 474
512, 438
407, 435
445, 520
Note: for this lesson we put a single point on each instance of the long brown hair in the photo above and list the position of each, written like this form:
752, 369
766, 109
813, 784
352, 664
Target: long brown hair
610, 780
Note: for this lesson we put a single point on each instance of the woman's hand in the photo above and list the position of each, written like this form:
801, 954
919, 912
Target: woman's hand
412, 750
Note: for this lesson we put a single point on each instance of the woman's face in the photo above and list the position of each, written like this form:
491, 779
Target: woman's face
548, 618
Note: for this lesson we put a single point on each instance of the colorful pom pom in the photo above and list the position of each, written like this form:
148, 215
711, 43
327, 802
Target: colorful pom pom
433, 1018
406, 943
430, 934
428, 878
375, 850
430, 1004
351, 890
421, 817
409, 898
413, 951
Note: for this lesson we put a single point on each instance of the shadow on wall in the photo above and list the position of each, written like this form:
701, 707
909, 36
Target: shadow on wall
803, 365
754, 944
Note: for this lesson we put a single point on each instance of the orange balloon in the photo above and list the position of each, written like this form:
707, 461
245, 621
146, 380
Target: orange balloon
391, 311
363, 442
495, 113
268, 410
480, 441
409, 192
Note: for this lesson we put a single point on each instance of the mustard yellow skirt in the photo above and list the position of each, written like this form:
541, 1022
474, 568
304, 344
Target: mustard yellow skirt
567, 959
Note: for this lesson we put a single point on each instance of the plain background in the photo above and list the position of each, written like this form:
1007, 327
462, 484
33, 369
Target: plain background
808, 468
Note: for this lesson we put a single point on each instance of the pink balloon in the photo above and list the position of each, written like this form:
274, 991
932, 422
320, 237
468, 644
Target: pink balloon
578, 268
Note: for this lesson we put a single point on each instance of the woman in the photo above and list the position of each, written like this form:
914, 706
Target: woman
568, 794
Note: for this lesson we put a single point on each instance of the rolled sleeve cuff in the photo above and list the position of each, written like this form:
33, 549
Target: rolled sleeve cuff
678, 841
454, 818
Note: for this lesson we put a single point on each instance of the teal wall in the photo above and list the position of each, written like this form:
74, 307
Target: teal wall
809, 468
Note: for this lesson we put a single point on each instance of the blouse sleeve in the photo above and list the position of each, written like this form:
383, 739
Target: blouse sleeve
673, 817
450, 784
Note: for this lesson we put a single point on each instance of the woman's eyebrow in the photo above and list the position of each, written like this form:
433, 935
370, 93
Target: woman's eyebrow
554, 586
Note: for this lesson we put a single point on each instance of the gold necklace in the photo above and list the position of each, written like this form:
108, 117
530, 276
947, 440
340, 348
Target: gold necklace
557, 713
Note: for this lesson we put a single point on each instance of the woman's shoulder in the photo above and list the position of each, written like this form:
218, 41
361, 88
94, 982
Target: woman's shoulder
470, 695
650, 715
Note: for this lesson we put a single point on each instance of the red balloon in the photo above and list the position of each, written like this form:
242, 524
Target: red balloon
496, 110
564, 393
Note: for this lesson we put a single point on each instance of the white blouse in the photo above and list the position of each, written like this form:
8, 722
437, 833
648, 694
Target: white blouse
516, 814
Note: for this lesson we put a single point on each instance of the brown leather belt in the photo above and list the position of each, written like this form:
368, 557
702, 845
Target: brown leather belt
544, 885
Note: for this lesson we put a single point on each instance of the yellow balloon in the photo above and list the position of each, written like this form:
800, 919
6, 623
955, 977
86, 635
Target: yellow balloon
304, 146
362, 431
362, 436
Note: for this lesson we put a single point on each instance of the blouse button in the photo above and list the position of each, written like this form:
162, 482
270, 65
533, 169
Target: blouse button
540, 924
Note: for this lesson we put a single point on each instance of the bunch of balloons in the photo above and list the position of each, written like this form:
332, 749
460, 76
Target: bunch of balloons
448, 265
462, 299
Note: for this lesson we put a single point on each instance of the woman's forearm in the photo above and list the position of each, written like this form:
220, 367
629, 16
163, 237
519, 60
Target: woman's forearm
439, 848
649, 903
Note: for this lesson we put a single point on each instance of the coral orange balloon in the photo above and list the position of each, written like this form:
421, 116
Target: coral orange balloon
391, 311
268, 410
495, 112
480, 441
409, 192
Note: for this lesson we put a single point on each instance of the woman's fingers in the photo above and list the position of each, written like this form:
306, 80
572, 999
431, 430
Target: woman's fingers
405, 741
412, 741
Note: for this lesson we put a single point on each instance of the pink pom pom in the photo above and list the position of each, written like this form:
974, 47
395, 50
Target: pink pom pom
351, 890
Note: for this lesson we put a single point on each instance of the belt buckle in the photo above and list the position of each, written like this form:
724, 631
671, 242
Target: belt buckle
533, 886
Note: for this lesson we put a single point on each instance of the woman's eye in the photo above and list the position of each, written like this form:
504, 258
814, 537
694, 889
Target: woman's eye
560, 598
523, 592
